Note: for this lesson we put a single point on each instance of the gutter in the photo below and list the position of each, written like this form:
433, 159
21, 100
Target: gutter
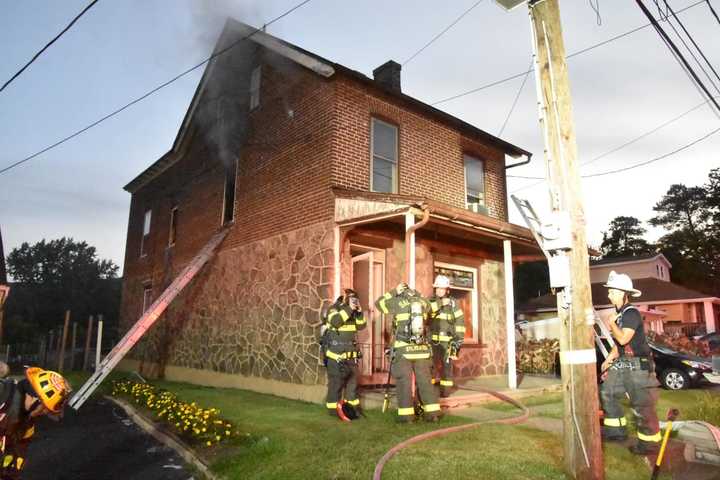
519, 164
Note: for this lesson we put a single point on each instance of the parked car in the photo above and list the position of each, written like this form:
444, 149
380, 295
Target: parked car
678, 371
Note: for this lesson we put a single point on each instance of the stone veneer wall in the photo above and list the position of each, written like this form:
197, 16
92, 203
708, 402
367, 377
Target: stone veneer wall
491, 359
254, 311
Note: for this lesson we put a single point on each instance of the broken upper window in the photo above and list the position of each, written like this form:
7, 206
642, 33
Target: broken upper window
173, 226
255, 88
145, 240
229, 194
147, 296
474, 184
384, 157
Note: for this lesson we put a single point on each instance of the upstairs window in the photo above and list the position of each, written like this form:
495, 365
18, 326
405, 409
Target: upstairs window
173, 226
229, 194
384, 146
255, 88
474, 184
145, 240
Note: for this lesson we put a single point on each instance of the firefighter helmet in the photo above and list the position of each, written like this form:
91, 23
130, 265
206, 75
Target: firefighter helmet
441, 281
50, 387
620, 281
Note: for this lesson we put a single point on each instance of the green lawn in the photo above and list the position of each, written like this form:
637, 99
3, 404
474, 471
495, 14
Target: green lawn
297, 440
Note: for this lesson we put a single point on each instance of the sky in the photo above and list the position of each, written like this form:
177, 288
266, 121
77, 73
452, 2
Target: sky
119, 50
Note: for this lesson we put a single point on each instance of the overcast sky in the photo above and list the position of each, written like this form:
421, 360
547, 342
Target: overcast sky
121, 49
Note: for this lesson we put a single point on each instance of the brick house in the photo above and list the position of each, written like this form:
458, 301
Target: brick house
317, 172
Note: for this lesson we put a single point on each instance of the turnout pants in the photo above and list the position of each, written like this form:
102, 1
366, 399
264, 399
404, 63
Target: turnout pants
442, 365
409, 360
641, 387
341, 374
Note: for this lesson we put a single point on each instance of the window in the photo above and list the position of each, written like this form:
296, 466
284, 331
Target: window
474, 184
173, 226
146, 233
147, 296
464, 289
384, 157
229, 195
255, 88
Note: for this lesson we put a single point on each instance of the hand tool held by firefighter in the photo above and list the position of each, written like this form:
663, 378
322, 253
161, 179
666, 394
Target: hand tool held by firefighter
672, 415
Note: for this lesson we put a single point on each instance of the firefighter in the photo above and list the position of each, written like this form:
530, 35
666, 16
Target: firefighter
344, 318
41, 392
410, 352
447, 330
629, 370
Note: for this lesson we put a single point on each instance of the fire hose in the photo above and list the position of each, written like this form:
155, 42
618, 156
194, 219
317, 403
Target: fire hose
445, 431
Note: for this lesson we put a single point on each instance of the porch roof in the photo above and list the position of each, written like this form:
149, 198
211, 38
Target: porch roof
355, 207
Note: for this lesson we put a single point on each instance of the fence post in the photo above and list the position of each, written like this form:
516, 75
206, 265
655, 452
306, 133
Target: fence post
72, 350
99, 342
66, 327
88, 336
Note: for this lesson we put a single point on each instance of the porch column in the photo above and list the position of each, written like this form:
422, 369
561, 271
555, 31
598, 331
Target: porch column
338, 267
709, 317
410, 261
510, 314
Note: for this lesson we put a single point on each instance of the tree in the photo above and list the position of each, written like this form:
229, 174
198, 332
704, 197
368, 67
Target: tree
624, 238
691, 217
60, 275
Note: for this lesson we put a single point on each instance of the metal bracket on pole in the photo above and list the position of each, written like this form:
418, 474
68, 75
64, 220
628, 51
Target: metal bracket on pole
146, 320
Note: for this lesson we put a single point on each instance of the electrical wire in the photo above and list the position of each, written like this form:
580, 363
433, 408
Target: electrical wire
596, 8
517, 96
713, 11
579, 52
77, 17
151, 92
441, 33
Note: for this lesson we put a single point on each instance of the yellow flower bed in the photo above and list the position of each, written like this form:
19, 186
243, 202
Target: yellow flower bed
199, 425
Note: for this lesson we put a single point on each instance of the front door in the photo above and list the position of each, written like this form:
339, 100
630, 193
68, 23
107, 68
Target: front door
367, 281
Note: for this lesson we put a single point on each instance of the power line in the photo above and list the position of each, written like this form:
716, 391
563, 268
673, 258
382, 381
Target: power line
151, 92
574, 54
517, 96
442, 33
90, 5
630, 167
713, 11
673, 48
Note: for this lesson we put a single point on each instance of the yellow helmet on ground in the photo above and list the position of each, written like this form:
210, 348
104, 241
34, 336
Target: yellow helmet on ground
51, 388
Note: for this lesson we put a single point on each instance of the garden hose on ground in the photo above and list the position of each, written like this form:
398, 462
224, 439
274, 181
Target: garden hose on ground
444, 431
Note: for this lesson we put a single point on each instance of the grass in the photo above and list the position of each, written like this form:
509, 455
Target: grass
297, 440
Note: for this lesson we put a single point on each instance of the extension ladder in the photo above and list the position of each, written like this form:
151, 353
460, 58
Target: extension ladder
146, 320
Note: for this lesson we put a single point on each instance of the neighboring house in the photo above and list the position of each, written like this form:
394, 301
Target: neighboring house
317, 171
665, 306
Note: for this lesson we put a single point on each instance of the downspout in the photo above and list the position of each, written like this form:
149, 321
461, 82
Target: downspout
408, 247
519, 164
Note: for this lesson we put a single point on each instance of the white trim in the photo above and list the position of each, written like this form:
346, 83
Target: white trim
337, 265
578, 357
410, 262
473, 295
632, 262
510, 314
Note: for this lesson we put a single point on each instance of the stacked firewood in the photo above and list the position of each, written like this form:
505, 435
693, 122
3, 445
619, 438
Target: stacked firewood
684, 344
537, 356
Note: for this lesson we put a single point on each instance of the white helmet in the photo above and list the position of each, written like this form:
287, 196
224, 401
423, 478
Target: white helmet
620, 281
441, 281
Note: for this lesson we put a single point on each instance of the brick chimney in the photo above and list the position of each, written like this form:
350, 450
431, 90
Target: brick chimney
388, 74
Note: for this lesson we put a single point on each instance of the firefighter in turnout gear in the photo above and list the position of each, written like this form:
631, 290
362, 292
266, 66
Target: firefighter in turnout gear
629, 370
41, 392
344, 318
410, 352
447, 332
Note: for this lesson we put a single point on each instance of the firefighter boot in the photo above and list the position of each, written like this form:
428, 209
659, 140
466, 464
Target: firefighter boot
645, 448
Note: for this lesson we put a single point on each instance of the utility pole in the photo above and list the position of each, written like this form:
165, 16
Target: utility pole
582, 446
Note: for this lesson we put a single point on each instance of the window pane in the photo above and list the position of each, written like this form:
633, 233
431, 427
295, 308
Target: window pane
146, 223
384, 140
474, 182
383, 173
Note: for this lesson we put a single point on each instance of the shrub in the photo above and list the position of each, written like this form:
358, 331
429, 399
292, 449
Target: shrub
198, 425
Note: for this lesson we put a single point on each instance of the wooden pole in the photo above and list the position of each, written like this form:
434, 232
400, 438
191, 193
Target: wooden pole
72, 351
88, 336
66, 327
582, 447
98, 347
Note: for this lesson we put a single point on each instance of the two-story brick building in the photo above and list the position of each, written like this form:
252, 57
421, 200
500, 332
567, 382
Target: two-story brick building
318, 172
